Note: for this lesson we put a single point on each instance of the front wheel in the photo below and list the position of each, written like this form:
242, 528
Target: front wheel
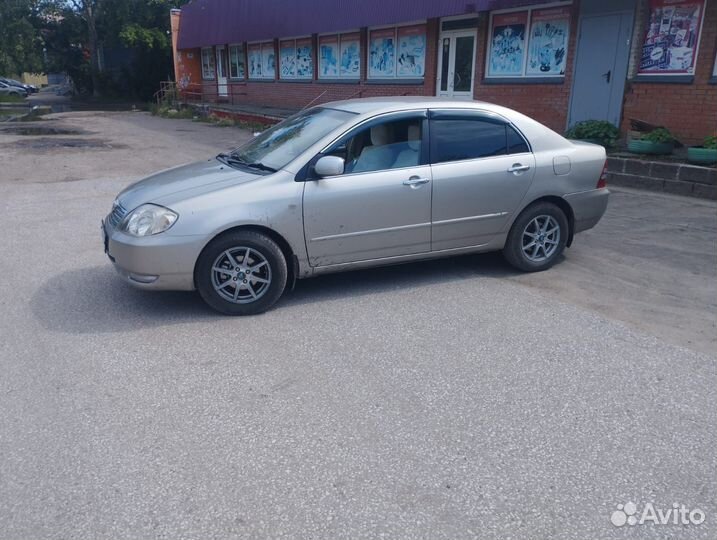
537, 238
241, 273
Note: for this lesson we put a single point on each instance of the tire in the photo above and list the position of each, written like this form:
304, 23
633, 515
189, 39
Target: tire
546, 247
232, 287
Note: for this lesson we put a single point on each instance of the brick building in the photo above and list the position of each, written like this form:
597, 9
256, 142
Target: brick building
560, 62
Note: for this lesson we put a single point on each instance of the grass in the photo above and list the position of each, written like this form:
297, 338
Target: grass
5, 98
167, 111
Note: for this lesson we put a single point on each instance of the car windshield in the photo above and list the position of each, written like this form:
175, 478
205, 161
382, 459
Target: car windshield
279, 145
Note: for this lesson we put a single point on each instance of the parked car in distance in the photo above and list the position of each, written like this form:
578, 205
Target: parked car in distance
29, 88
8, 90
356, 184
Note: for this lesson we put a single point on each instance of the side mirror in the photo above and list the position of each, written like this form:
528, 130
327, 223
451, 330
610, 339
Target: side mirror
329, 166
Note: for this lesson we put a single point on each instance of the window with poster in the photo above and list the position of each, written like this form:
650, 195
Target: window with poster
236, 62
528, 42
296, 58
261, 60
672, 36
340, 56
397, 52
208, 63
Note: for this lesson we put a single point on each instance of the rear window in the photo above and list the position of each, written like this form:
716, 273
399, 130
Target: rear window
456, 139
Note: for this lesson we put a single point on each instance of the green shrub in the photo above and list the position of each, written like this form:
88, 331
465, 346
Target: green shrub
710, 142
6, 98
597, 130
659, 135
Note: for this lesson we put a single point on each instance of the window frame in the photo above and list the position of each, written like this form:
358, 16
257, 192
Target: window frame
339, 43
206, 76
529, 9
242, 49
667, 74
294, 76
435, 115
395, 27
262, 45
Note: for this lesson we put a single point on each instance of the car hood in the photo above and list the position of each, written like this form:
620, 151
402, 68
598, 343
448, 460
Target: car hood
200, 176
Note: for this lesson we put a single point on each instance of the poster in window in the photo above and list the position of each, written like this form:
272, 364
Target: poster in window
411, 59
329, 56
548, 45
671, 38
382, 53
268, 60
255, 70
236, 62
507, 44
304, 59
208, 64
287, 59
350, 55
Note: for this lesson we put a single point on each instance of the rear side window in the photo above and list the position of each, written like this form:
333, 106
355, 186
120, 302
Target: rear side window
456, 139
516, 143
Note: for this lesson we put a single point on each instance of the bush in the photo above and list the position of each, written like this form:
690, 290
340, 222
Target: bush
710, 142
659, 135
595, 130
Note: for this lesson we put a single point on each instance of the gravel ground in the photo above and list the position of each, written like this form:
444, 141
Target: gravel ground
444, 399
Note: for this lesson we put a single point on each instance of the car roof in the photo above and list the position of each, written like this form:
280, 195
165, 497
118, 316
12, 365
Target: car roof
377, 104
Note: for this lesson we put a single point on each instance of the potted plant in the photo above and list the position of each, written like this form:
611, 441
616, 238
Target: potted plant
705, 154
657, 141
594, 131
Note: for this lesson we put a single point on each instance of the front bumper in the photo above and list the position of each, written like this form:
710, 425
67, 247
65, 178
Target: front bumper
159, 262
588, 207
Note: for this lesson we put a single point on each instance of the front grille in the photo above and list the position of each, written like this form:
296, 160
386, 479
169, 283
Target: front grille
116, 215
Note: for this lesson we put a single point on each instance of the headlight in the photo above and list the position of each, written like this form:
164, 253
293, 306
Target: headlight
148, 219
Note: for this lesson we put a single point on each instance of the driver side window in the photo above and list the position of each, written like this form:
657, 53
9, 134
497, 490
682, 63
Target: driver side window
382, 146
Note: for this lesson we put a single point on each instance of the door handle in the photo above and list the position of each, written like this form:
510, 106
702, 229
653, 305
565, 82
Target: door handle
607, 75
518, 168
415, 181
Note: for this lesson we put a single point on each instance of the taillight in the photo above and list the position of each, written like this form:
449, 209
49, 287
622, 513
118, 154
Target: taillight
602, 181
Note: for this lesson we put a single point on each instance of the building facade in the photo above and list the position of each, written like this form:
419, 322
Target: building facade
559, 62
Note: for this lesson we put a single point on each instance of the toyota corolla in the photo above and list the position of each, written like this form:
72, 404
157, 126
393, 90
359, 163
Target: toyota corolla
354, 184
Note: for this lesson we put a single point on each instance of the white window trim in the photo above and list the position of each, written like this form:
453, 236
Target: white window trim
294, 76
264, 77
528, 28
242, 47
213, 75
339, 36
642, 75
395, 28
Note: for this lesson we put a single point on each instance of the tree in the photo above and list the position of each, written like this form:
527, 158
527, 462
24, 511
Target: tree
89, 11
20, 43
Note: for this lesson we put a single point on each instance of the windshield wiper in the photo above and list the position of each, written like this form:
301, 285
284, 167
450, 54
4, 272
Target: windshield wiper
259, 165
232, 160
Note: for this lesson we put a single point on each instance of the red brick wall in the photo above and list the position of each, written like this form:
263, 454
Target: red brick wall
688, 110
547, 103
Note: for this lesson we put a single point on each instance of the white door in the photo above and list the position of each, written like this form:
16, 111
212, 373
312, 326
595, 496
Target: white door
221, 71
456, 64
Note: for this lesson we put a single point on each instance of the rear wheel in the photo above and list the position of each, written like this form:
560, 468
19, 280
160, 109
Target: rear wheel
241, 273
537, 238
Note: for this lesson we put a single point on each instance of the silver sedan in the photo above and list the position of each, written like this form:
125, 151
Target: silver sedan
353, 184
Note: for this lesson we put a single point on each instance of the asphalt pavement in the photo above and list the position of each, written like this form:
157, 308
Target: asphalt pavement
444, 399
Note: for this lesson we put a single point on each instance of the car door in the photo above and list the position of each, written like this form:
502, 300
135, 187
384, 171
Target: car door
381, 205
481, 168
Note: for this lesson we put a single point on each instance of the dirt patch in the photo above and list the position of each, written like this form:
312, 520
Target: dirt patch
53, 143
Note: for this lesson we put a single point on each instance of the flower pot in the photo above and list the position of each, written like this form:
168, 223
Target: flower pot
639, 146
701, 155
